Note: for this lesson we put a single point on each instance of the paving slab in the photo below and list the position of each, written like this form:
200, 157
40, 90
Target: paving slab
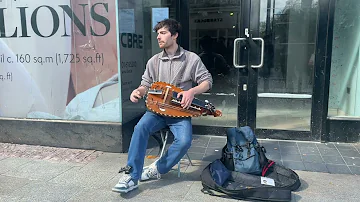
110, 162
4, 198
334, 187
43, 191
170, 189
40, 170
83, 178
87, 195
9, 184
10, 163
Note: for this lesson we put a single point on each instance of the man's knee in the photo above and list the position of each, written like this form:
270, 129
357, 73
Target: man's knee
148, 122
141, 128
184, 142
141, 125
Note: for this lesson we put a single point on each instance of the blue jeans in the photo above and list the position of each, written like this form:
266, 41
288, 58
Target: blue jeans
148, 125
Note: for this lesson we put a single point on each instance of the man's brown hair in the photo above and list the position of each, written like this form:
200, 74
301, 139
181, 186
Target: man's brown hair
172, 25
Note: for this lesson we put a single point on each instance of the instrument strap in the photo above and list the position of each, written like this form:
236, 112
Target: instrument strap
180, 74
157, 69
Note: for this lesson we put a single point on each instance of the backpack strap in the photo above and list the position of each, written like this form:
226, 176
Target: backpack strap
264, 161
266, 167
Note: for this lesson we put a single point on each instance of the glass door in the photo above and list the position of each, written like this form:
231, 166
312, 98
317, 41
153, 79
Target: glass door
213, 27
275, 60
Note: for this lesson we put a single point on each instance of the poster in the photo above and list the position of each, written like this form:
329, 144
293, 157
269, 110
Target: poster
159, 14
127, 21
59, 60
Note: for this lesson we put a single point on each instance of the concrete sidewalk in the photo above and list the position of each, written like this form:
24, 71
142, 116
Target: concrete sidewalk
36, 173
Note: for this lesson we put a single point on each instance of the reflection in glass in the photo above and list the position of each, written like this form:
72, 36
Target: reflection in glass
213, 28
286, 79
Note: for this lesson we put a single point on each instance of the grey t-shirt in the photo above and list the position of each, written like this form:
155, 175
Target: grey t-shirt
182, 70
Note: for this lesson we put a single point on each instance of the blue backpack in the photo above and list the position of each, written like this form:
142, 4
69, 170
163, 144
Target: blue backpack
241, 153
240, 172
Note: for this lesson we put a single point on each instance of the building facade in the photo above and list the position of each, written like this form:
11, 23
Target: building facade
288, 68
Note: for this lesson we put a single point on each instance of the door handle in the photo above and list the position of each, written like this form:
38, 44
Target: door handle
236, 51
262, 52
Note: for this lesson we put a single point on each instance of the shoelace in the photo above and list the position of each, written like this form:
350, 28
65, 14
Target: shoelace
125, 178
152, 172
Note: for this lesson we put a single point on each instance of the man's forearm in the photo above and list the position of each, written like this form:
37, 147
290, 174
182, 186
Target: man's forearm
142, 90
202, 88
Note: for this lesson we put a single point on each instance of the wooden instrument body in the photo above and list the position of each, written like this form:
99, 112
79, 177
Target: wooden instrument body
162, 99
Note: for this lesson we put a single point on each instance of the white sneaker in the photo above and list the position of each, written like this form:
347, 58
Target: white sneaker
125, 184
150, 172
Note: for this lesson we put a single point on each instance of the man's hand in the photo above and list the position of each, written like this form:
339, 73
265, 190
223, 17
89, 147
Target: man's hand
187, 98
138, 93
135, 96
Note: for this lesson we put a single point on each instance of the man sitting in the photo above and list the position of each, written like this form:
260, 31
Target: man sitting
181, 68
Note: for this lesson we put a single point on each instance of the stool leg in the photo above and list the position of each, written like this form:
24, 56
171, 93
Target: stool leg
164, 139
179, 169
189, 159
